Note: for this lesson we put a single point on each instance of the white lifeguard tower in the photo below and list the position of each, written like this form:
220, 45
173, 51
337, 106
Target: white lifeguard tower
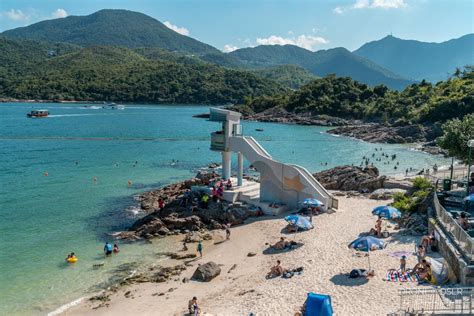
285, 184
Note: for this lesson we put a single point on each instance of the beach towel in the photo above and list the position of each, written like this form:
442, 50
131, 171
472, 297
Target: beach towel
397, 276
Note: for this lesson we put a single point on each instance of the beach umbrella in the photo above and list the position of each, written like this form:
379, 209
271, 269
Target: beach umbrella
469, 198
299, 221
367, 244
312, 202
388, 212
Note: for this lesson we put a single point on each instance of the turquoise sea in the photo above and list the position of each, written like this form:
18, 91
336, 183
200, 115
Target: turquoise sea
45, 217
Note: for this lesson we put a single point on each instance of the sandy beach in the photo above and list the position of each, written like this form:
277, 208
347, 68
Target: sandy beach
325, 257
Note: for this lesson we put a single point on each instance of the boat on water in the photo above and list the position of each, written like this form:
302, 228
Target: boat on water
38, 113
113, 106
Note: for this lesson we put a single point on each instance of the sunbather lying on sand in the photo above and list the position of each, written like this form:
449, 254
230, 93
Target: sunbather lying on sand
276, 270
291, 228
281, 244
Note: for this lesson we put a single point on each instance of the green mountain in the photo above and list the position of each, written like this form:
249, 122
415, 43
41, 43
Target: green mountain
291, 76
338, 61
343, 97
111, 27
420, 60
29, 70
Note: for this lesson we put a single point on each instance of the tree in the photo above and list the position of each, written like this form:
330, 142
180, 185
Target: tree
456, 134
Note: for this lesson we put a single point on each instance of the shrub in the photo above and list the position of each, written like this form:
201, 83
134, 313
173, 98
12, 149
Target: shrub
420, 183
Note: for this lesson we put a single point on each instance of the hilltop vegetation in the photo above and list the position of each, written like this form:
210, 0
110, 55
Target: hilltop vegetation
346, 98
111, 27
288, 75
120, 74
338, 61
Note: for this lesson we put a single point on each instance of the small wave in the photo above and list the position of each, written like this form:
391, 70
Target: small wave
65, 115
135, 210
90, 107
65, 307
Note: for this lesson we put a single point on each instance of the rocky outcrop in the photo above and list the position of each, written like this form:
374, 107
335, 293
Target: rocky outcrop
385, 194
350, 178
282, 116
183, 215
206, 272
391, 134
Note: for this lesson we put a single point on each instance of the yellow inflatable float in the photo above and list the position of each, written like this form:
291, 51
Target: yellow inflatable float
71, 260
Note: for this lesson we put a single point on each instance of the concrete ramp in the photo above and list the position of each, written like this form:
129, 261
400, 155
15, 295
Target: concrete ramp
280, 182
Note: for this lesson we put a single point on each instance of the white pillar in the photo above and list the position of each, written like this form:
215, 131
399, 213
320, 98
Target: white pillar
226, 164
240, 168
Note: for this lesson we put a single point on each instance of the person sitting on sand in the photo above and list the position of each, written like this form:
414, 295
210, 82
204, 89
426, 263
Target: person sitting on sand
281, 244
420, 266
276, 270
462, 221
193, 307
427, 241
425, 274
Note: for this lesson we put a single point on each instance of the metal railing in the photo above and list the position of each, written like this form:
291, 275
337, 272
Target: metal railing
460, 236
444, 300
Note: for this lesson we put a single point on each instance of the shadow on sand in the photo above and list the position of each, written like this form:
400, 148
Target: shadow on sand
344, 280
273, 251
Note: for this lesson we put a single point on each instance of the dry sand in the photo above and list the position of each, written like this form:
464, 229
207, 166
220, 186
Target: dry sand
325, 257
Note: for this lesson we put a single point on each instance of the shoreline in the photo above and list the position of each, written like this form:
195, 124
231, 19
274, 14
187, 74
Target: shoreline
252, 226
243, 289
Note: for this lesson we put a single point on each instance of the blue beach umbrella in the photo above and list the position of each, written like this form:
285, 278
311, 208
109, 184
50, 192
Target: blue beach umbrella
367, 244
469, 198
299, 221
388, 212
312, 202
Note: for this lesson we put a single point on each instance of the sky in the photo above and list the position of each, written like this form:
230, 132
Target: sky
311, 24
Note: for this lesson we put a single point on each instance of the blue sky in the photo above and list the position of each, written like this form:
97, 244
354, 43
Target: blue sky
230, 24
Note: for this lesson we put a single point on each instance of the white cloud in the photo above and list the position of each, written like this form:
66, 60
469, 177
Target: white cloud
338, 10
229, 48
59, 13
17, 15
305, 41
177, 29
372, 4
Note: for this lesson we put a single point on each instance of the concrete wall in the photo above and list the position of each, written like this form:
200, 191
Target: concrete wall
464, 272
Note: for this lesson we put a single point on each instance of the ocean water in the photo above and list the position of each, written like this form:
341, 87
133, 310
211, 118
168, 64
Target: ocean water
50, 205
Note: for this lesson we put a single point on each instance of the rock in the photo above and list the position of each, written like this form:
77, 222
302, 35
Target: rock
251, 254
385, 194
214, 165
206, 272
232, 268
350, 178
384, 133
398, 184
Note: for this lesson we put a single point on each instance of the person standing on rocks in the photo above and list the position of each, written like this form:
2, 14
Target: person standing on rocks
199, 248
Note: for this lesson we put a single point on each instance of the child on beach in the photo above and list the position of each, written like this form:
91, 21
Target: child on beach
227, 230
199, 248
420, 253
116, 248
403, 264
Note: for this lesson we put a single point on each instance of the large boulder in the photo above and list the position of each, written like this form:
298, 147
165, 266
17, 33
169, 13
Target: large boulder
192, 222
350, 178
206, 272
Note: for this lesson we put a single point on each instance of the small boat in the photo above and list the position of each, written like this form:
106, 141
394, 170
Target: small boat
259, 129
113, 106
38, 113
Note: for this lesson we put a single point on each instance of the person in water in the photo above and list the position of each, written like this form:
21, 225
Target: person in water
72, 255
108, 249
116, 249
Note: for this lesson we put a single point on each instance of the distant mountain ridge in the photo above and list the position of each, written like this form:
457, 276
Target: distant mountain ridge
111, 27
338, 61
390, 61
420, 60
